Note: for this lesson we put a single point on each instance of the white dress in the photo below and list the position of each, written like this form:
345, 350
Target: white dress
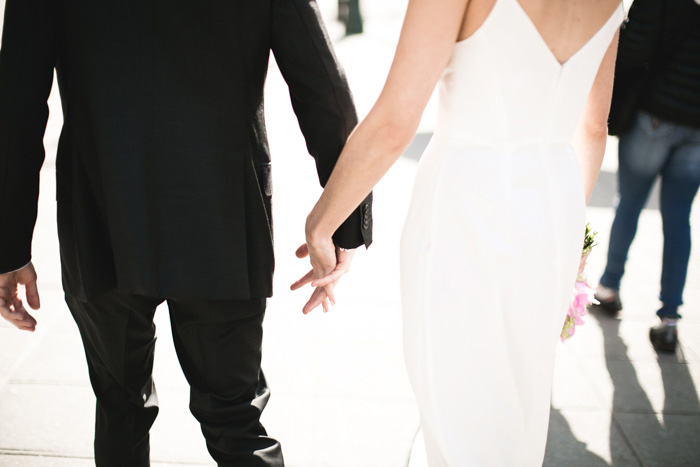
492, 242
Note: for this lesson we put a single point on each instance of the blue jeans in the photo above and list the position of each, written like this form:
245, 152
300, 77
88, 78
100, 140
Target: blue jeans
653, 148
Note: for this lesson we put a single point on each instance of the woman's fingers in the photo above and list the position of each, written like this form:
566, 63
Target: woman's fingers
329, 279
344, 259
308, 277
329, 264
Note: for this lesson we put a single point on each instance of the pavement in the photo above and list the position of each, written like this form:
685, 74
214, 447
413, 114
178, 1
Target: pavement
340, 395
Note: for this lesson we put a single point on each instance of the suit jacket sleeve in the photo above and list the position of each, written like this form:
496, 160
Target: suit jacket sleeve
320, 97
27, 60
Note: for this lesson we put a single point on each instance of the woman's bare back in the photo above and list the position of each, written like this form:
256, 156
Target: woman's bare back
564, 25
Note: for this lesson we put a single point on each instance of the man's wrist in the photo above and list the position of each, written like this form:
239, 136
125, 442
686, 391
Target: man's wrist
18, 269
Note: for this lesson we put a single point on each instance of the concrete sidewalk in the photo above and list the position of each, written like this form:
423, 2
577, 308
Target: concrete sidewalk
340, 394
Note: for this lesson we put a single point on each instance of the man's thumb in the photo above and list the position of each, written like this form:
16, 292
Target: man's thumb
27, 277
302, 251
32, 295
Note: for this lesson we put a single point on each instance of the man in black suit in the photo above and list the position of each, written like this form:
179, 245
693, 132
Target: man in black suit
163, 192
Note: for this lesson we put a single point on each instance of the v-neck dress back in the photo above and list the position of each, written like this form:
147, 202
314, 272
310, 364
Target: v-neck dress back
492, 241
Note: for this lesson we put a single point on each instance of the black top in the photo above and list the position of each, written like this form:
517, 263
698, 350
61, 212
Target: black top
663, 36
163, 166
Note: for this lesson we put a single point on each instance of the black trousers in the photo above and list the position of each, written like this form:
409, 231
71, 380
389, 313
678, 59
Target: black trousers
218, 344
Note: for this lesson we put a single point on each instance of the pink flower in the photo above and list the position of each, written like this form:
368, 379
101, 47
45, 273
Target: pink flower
583, 296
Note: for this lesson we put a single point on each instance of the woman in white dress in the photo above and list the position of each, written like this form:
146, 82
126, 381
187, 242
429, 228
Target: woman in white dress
497, 208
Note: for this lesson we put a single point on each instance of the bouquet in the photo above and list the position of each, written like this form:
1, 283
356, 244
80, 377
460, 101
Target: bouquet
583, 293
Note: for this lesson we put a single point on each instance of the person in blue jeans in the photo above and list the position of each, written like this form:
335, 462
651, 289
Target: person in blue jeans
661, 39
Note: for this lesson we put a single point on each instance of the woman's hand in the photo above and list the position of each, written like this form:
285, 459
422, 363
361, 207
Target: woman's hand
427, 41
328, 263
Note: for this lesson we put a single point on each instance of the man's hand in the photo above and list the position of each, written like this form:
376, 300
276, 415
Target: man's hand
11, 307
328, 263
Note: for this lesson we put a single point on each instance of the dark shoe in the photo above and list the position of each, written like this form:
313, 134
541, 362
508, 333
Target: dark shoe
664, 337
608, 301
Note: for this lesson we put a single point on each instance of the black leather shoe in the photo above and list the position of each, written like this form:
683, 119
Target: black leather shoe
611, 306
664, 337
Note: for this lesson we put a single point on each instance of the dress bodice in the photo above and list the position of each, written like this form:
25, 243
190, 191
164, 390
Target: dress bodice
504, 87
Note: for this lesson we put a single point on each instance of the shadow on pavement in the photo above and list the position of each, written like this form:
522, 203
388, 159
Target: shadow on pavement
654, 438
626, 386
563, 447
417, 146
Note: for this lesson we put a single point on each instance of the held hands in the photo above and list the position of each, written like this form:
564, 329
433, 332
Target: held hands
11, 306
328, 264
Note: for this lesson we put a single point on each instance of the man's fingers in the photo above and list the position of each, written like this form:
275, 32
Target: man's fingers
17, 305
12, 310
5, 311
18, 317
308, 277
330, 293
27, 323
344, 256
317, 298
11, 307
6, 291
321, 296
302, 251
32, 292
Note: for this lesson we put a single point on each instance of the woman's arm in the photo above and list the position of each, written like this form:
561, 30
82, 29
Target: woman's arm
592, 132
429, 33
320, 97
428, 36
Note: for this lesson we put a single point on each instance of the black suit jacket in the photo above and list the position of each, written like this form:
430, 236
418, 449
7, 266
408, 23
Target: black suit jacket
163, 167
